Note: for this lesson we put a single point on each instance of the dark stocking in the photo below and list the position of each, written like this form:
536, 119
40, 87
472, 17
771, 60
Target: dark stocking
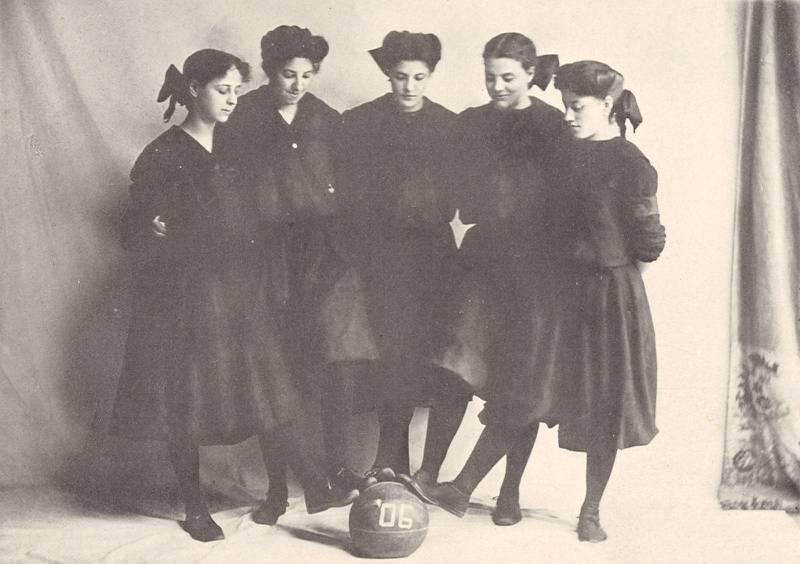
337, 407
444, 419
185, 460
297, 452
393, 438
276, 463
599, 464
516, 461
493, 443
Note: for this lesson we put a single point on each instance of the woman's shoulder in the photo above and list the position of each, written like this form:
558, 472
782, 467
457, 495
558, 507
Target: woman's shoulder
251, 107
544, 117
169, 140
369, 109
474, 112
542, 108
312, 103
473, 120
629, 156
619, 156
256, 98
317, 119
438, 111
166, 150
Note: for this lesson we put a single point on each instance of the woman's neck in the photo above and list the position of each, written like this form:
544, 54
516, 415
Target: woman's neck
288, 112
522, 103
201, 130
606, 133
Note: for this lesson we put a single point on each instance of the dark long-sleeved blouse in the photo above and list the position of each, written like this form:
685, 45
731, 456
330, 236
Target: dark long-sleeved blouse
292, 162
394, 167
617, 219
508, 178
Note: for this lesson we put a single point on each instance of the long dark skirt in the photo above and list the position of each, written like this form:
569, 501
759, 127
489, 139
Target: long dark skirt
612, 394
467, 320
536, 350
498, 323
205, 356
379, 313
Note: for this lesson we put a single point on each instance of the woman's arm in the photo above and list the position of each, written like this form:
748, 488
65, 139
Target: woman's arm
646, 234
142, 224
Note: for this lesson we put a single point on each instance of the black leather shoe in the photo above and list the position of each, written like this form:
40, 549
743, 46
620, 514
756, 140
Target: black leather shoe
507, 512
348, 480
270, 509
328, 496
450, 498
420, 484
201, 527
589, 529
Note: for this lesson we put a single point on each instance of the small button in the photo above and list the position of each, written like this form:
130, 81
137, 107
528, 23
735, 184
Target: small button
294, 145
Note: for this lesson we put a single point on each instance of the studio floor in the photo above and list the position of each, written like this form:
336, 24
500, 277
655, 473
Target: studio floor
657, 509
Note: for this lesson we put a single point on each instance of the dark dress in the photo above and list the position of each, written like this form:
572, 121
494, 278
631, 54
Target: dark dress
293, 165
612, 394
503, 324
204, 359
393, 168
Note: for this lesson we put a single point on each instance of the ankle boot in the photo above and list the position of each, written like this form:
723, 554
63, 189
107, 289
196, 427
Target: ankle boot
450, 498
327, 495
420, 484
271, 508
200, 526
589, 529
507, 511
348, 480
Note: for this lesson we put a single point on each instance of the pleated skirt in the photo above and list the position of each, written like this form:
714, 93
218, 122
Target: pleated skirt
205, 357
611, 395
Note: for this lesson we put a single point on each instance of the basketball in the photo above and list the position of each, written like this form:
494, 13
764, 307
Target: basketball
387, 521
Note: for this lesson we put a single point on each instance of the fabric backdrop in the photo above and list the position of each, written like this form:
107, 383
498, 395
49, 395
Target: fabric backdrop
79, 84
762, 455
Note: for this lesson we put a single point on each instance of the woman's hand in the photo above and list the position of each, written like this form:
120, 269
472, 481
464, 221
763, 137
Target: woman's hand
158, 227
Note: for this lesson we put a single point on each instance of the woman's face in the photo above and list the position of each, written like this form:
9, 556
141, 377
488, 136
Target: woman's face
292, 80
588, 117
215, 100
409, 80
507, 83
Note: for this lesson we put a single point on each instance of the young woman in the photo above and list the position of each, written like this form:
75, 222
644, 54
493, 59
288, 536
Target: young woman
393, 175
605, 388
612, 397
282, 138
505, 333
204, 362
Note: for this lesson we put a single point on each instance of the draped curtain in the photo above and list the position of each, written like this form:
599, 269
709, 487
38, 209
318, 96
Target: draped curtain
761, 468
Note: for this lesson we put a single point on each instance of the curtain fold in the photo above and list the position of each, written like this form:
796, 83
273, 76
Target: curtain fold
82, 105
62, 288
761, 467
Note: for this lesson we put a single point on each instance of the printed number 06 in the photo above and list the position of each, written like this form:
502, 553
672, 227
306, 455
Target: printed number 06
389, 516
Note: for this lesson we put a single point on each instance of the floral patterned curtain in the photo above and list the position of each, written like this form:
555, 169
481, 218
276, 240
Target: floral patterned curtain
761, 468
